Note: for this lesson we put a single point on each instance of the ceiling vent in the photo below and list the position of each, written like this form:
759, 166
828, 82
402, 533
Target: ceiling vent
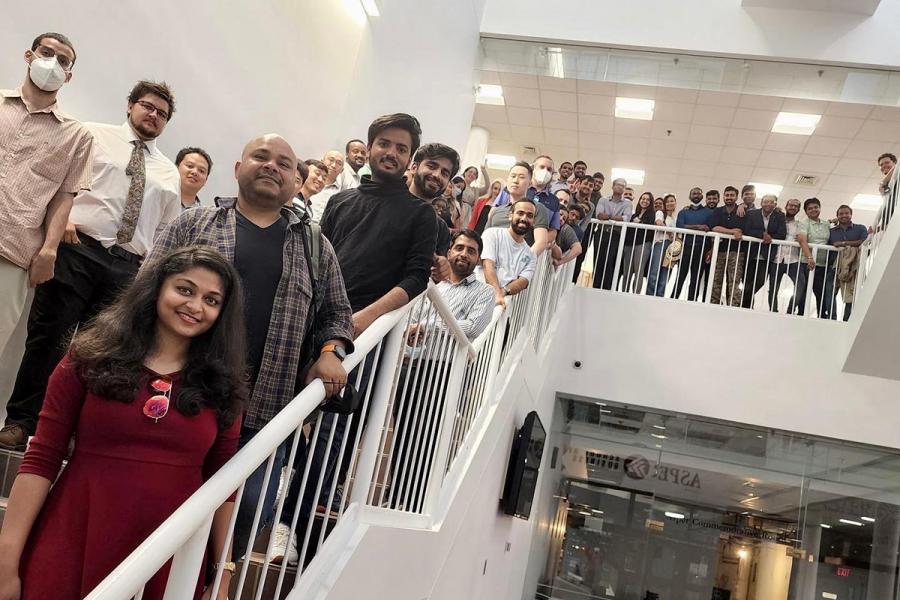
529, 153
807, 180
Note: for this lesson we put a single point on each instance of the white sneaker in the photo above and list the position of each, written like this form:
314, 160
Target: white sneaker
281, 534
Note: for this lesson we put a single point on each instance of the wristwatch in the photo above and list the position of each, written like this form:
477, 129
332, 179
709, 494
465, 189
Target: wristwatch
338, 350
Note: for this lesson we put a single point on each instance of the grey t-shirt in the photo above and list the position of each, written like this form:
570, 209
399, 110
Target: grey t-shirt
566, 238
500, 218
512, 259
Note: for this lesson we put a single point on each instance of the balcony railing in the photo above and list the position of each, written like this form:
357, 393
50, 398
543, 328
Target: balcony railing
426, 389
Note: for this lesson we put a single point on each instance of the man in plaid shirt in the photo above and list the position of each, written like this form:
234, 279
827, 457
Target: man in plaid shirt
265, 242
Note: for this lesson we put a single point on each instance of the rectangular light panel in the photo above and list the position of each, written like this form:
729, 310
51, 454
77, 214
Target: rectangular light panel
795, 123
500, 161
631, 176
866, 202
490, 94
766, 188
635, 108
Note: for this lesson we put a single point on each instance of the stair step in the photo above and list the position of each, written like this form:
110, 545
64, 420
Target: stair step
255, 569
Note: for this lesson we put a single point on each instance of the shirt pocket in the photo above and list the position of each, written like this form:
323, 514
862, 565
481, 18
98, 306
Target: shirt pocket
50, 164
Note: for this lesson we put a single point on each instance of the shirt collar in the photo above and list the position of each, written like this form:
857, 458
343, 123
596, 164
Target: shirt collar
467, 281
131, 136
52, 109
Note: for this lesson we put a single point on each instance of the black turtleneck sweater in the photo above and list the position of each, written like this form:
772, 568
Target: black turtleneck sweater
383, 236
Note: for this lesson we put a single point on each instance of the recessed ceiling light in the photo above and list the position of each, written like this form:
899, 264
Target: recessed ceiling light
795, 123
849, 522
490, 94
500, 161
659, 427
371, 8
766, 188
635, 108
867, 202
824, 526
868, 519
658, 436
556, 62
631, 176
674, 515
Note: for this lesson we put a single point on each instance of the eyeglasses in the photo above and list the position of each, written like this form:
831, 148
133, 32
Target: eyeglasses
152, 108
157, 406
64, 61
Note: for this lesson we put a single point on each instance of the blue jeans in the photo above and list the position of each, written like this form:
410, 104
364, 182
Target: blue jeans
252, 492
658, 275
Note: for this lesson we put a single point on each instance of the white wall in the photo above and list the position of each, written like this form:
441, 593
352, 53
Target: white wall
718, 27
316, 72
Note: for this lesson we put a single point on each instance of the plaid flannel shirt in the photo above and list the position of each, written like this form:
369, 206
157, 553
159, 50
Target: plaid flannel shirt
275, 382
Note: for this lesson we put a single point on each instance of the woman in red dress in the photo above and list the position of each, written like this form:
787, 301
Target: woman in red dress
152, 391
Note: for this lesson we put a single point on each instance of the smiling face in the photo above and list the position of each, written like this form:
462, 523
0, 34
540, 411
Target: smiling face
431, 177
518, 180
463, 256
265, 173
148, 116
522, 216
389, 154
194, 171
190, 302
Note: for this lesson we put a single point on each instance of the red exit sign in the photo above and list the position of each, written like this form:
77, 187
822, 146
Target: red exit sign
842, 572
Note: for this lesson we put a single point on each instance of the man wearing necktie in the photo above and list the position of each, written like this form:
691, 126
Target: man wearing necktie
135, 193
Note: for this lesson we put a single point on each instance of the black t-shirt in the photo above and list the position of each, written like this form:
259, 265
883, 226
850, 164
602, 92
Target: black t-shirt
258, 255
442, 243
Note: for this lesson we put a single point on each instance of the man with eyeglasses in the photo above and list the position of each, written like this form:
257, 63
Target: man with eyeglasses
134, 194
45, 159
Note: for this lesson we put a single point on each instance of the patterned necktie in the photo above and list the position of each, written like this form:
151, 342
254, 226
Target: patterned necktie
136, 171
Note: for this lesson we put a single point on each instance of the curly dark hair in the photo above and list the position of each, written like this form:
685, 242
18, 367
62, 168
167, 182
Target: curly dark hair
109, 352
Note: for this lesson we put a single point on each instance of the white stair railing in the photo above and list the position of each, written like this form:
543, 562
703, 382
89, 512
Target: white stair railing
426, 387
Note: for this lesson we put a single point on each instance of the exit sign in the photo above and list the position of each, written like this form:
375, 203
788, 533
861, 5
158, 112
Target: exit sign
842, 572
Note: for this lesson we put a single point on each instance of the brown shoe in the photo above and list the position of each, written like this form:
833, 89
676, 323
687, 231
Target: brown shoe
13, 437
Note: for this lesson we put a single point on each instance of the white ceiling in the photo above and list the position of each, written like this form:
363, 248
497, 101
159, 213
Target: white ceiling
863, 7
696, 138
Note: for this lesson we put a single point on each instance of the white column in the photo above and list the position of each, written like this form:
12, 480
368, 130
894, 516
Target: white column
803, 579
476, 148
883, 560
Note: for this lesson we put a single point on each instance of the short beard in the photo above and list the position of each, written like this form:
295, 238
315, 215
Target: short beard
422, 188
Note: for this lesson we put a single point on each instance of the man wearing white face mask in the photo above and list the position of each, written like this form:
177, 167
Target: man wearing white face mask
543, 192
45, 160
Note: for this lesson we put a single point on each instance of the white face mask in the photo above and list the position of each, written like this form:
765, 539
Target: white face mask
696, 201
46, 73
542, 176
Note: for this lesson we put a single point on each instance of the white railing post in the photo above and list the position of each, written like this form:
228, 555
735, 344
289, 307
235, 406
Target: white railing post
186, 564
714, 256
451, 399
621, 248
496, 351
380, 401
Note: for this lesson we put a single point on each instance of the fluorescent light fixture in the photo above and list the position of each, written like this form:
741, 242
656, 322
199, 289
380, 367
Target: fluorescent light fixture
631, 176
824, 526
635, 108
500, 161
849, 522
371, 7
658, 436
556, 62
868, 519
490, 94
674, 515
742, 553
866, 202
585, 513
795, 123
829, 596
766, 188
659, 427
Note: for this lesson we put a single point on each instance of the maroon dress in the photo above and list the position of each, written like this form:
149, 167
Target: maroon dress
125, 477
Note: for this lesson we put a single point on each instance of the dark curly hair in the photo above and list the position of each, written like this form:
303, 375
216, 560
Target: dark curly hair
109, 352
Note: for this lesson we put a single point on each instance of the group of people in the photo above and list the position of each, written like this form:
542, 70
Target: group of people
166, 331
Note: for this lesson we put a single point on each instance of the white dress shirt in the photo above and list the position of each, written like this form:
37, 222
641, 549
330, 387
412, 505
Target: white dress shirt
319, 201
348, 179
98, 212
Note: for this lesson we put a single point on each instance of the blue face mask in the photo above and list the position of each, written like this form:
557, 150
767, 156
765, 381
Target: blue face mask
457, 192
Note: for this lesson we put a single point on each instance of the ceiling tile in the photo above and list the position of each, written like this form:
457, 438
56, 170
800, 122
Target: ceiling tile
733, 174
849, 185
801, 105
706, 134
703, 152
559, 101
865, 150
721, 116
701, 168
668, 148
879, 131
518, 80
604, 88
595, 123
760, 120
785, 142
562, 152
488, 77
527, 135
504, 147
627, 90
740, 156
845, 127
826, 146
676, 94
847, 109
555, 119
746, 138
521, 97
885, 113
530, 117
596, 160
685, 182
663, 164
808, 163
677, 112
719, 98
630, 145
490, 113
800, 192
560, 137
776, 176
855, 167
497, 130
557, 84
632, 127
593, 104
773, 159
593, 140
761, 102
669, 130
630, 161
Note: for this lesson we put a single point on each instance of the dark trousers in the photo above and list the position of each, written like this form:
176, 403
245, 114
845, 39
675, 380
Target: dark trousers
823, 289
755, 278
692, 264
776, 274
606, 256
86, 280
579, 260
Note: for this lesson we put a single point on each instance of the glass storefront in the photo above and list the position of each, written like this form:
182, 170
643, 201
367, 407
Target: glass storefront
653, 506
